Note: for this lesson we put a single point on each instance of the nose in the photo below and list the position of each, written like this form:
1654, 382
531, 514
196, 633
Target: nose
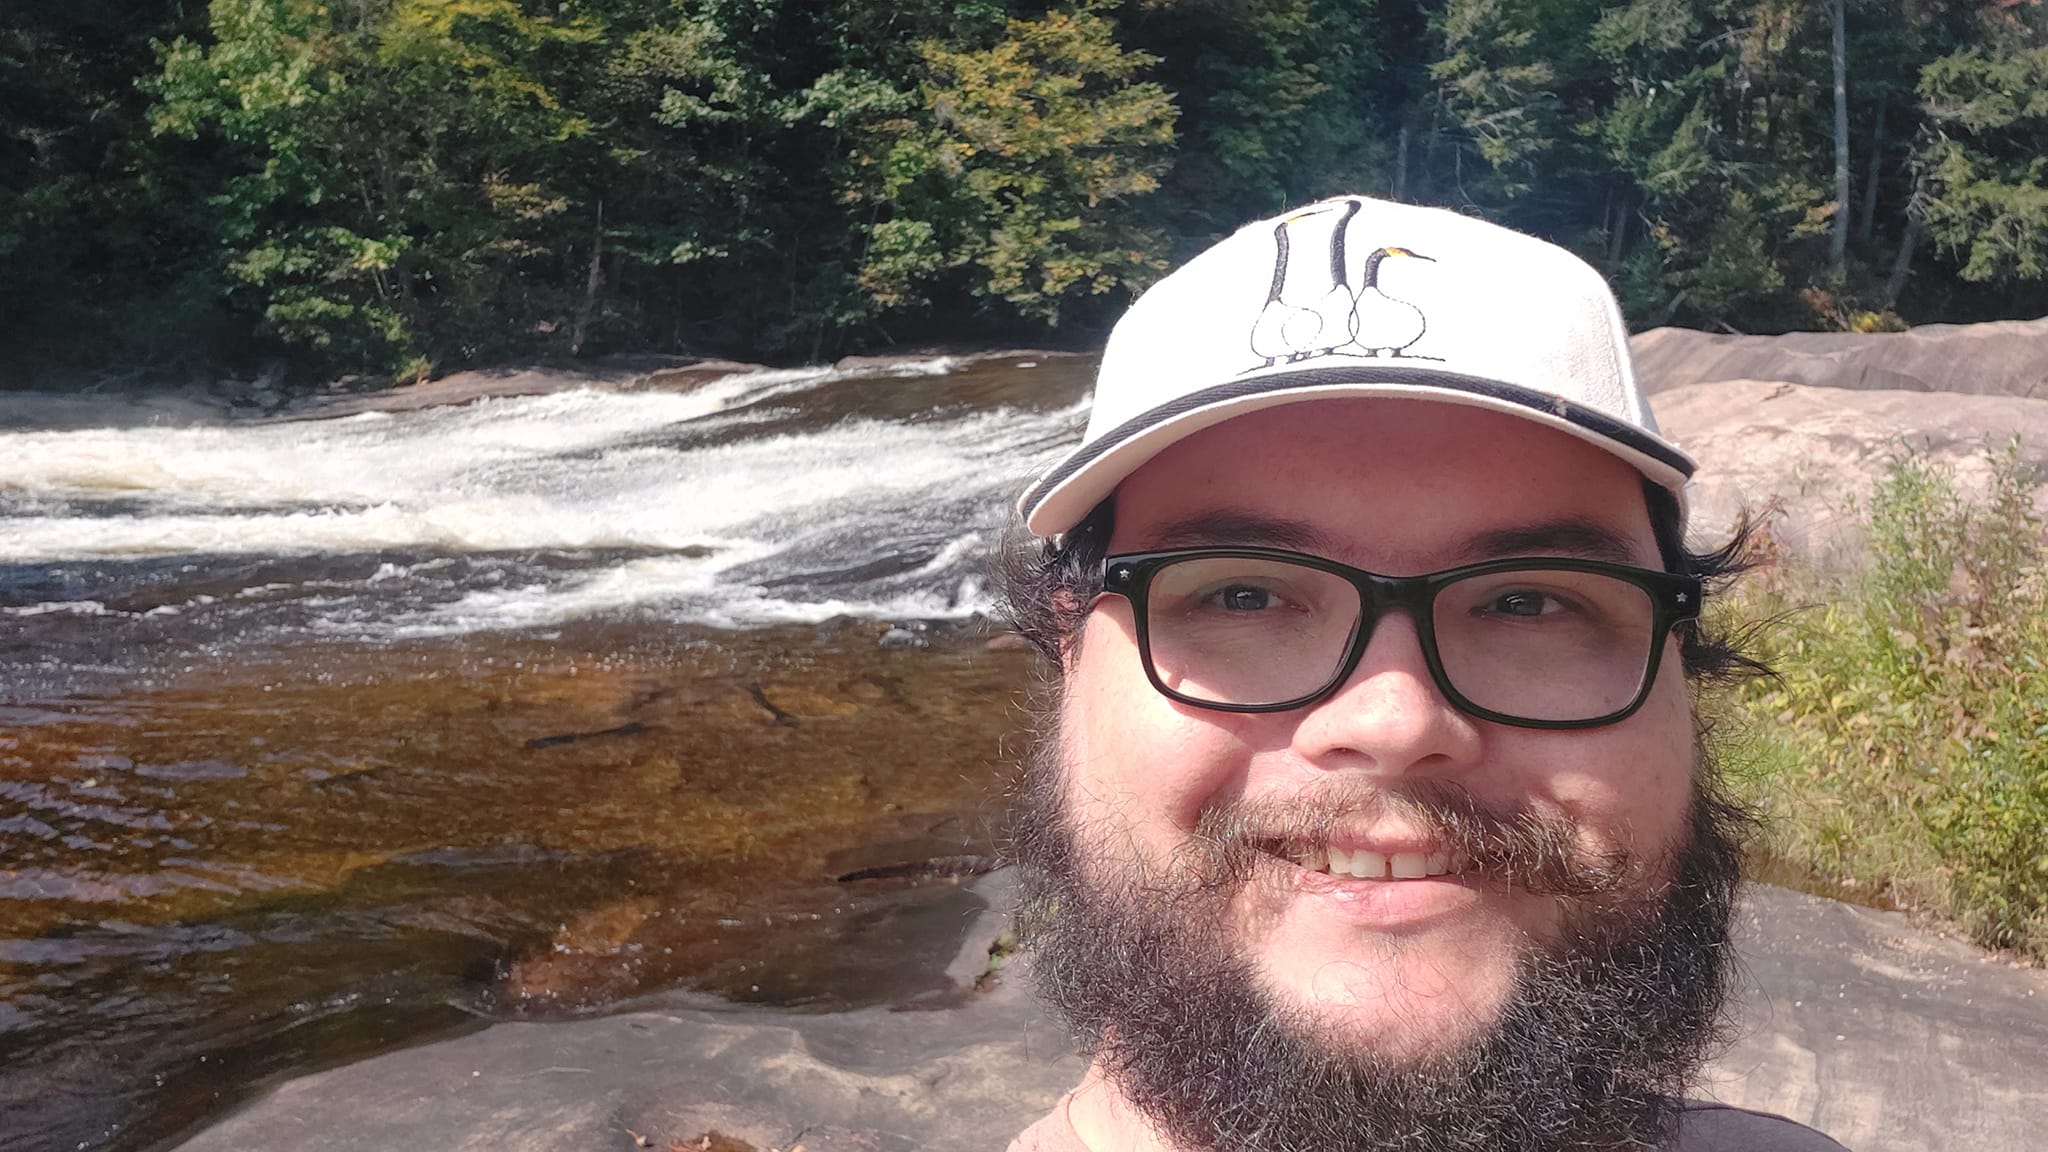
1389, 717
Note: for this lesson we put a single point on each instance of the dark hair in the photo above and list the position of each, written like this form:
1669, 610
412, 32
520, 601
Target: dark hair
1046, 587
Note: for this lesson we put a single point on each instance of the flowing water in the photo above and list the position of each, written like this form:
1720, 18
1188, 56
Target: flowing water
323, 735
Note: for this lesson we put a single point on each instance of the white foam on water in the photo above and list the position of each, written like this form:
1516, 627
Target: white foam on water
713, 515
358, 461
694, 590
536, 472
959, 550
57, 607
648, 580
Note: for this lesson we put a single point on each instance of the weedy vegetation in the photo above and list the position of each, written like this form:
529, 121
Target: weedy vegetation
1901, 750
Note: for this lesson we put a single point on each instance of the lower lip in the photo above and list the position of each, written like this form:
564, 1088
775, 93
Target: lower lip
1386, 903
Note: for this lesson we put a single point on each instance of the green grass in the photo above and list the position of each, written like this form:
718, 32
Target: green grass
1901, 751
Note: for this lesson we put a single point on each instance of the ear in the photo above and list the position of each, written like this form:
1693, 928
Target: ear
1070, 611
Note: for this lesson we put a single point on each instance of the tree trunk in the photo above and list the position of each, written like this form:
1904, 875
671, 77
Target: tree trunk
590, 286
1838, 242
1865, 222
1429, 148
1401, 162
1903, 264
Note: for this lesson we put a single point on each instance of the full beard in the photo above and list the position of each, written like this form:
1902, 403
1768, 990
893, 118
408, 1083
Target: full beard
1592, 1050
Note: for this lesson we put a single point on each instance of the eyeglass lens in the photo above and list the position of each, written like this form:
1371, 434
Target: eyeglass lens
1536, 644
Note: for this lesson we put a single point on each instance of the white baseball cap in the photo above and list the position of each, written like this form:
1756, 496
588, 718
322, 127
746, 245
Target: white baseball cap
1360, 297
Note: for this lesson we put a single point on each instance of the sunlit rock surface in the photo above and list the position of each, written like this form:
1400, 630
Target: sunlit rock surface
1805, 423
1997, 359
1852, 1021
1810, 453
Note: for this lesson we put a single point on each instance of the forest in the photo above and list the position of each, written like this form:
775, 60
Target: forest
386, 190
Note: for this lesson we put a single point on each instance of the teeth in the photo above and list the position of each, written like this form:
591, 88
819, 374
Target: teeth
1368, 865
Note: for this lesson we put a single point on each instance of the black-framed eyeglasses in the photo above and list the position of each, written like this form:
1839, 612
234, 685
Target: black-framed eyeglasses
1543, 642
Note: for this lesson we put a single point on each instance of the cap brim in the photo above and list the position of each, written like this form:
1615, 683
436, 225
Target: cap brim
1067, 493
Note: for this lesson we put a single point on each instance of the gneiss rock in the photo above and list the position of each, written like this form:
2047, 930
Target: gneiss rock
1849, 1020
1817, 450
2007, 358
878, 1080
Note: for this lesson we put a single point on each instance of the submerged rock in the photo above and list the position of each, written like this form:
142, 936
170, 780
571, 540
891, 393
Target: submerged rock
898, 638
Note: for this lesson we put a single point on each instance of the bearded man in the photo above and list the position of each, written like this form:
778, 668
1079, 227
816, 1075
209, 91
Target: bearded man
1372, 810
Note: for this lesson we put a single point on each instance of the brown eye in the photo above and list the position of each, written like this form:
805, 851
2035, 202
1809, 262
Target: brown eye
1518, 604
1244, 598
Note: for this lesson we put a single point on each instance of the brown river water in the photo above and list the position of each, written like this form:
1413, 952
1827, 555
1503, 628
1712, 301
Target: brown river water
323, 737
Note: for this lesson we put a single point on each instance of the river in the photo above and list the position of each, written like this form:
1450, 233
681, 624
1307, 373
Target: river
320, 736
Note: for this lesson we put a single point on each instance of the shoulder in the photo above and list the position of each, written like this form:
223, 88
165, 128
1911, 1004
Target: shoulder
1704, 1126
1053, 1133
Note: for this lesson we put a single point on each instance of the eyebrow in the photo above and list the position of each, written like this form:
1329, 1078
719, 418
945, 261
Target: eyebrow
1568, 536
1572, 536
1242, 529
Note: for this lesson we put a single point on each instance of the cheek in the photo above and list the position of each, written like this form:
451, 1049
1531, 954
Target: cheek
1135, 758
1629, 785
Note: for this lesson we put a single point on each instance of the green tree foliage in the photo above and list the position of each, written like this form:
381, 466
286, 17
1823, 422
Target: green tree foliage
87, 231
1672, 111
1021, 165
394, 187
1281, 101
1987, 164
398, 167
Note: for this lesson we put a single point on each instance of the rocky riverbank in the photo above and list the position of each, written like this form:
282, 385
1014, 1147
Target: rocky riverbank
1803, 424
1853, 1021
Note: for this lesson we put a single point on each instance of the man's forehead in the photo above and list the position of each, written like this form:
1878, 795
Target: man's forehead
1389, 486
1583, 537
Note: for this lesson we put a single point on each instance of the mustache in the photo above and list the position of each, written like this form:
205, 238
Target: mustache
1539, 854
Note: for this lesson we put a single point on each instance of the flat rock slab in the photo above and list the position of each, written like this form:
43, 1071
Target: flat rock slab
2003, 358
1814, 451
964, 1073
1883, 1035
872, 1081
1856, 1022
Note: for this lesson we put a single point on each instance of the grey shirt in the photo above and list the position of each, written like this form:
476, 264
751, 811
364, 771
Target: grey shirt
1703, 1127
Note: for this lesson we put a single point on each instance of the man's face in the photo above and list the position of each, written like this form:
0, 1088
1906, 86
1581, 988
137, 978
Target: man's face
1406, 969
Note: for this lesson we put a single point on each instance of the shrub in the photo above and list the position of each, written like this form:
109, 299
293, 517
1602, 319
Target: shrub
1903, 745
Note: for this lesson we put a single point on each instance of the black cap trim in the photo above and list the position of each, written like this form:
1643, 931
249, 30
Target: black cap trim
1591, 419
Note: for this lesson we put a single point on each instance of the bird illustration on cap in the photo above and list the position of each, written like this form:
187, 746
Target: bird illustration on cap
1308, 309
1311, 308
1382, 323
